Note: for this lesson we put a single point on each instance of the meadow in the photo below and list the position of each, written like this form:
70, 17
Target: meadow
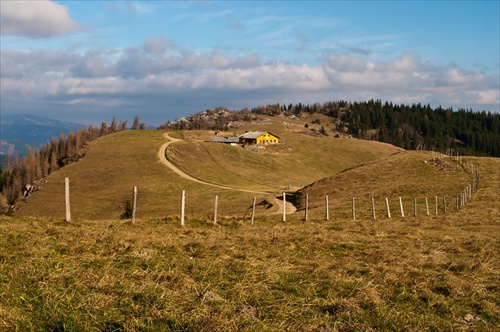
436, 273
102, 181
100, 273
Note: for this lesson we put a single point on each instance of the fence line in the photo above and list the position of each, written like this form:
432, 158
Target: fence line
463, 197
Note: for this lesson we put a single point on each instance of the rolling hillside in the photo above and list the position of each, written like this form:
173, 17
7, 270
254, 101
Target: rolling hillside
408, 174
437, 272
103, 180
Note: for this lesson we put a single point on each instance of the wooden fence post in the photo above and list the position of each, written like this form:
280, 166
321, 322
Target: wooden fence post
436, 205
457, 203
353, 209
444, 203
307, 206
401, 207
183, 203
388, 209
253, 210
427, 206
215, 209
327, 211
373, 208
134, 204
415, 207
66, 196
284, 206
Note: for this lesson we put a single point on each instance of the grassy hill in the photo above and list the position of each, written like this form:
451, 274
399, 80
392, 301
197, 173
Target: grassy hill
427, 273
103, 180
408, 174
300, 160
437, 272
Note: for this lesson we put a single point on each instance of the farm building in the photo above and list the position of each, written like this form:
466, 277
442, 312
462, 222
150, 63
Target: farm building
258, 137
226, 140
248, 138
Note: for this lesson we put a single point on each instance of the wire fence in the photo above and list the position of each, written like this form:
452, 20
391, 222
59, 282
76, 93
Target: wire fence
355, 208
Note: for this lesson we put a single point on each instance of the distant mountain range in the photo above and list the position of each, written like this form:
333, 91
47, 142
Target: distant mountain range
17, 131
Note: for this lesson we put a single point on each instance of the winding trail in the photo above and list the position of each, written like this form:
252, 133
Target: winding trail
162, 155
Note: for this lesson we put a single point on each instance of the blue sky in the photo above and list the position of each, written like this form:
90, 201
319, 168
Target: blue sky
87, 61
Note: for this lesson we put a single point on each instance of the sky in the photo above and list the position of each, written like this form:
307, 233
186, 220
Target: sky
90, 61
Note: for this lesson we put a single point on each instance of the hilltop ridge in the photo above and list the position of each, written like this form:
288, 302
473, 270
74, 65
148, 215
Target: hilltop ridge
412, 127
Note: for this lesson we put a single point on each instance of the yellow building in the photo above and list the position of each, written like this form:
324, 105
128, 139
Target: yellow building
259, 137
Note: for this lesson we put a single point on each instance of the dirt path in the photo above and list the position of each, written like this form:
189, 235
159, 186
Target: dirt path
290, 208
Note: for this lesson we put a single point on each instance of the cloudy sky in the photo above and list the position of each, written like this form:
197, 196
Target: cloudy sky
87, 61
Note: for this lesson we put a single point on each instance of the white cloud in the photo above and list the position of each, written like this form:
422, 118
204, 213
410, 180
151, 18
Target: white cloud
149, 79
486, 97
35, 19
409, 79
157, 45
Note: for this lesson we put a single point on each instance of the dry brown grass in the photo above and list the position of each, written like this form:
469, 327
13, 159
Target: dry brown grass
407, 174
431, 274
300, 160
103, 180
438, 273
427, 273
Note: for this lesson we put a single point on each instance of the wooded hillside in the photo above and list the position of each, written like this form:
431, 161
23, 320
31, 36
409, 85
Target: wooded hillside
411, 127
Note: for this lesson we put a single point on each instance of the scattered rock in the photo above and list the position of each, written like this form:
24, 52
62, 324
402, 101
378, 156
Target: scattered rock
249, 311
442, 165
210, 296
469, 318
145, 253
